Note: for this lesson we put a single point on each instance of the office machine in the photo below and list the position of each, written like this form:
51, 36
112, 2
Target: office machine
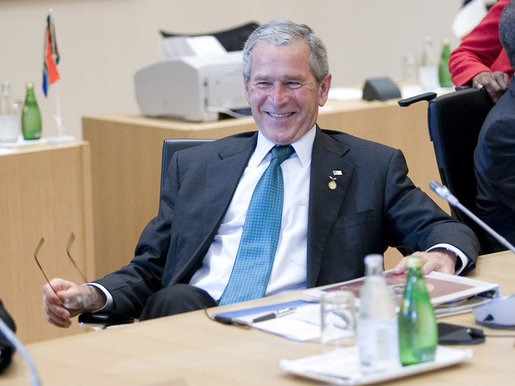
192, 88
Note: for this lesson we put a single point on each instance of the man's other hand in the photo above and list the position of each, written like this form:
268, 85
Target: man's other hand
495, 83
439, 260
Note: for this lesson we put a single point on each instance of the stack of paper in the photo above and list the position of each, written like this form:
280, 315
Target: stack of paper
450, 294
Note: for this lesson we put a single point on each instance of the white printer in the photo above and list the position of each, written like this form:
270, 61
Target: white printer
192, 88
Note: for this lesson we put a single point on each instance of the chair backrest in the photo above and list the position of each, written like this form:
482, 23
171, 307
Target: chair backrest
170, 146
455, 121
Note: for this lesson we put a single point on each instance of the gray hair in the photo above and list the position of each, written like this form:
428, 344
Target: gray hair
282, 32
507, 31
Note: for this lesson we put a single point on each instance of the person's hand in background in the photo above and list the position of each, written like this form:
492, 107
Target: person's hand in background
495, 83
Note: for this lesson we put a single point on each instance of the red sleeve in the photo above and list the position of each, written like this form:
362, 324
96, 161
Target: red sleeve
479, 49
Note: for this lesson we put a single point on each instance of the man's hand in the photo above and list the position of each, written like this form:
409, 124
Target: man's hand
70, 300
436, 260
495, 83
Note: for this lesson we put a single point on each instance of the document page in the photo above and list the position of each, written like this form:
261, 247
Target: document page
301, 323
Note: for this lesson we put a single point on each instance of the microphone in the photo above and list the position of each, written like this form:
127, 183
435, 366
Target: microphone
11, 337
444, 193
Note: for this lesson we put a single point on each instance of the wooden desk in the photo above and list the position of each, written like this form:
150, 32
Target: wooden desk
126, 162
190, 349
45, 191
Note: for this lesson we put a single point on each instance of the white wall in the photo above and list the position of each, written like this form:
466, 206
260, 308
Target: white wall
103, 42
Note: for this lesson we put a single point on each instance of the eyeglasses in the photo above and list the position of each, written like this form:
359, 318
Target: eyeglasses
71, 239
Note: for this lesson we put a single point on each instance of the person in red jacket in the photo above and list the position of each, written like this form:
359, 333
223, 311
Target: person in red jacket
480, 59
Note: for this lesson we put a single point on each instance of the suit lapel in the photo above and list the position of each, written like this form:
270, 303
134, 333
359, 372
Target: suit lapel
222, 178
325, 203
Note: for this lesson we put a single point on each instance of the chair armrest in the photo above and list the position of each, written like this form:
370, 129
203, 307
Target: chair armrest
427, 96
100, 320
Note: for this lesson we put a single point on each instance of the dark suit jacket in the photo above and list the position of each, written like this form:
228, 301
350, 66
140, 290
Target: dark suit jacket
374, 206
494, 161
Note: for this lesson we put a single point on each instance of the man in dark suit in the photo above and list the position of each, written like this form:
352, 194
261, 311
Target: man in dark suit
344, 198
494, 157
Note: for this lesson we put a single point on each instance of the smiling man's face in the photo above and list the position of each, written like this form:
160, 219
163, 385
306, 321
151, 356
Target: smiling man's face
282, 91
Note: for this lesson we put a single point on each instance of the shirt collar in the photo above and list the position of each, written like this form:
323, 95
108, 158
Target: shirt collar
303, 147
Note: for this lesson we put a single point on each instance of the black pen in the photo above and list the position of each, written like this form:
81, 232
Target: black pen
275, 314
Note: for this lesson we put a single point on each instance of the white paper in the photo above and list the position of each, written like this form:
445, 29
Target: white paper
201, 46
302, 325
345, 93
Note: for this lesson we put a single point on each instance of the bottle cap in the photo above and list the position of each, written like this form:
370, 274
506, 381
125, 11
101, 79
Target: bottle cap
414, 261
374, 259
30, 84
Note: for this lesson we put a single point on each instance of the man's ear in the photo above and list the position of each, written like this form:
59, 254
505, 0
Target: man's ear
324, 87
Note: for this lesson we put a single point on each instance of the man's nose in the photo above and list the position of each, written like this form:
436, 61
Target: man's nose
278, 93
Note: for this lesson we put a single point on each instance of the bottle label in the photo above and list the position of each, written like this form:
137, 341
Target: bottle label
378, 344
426, 354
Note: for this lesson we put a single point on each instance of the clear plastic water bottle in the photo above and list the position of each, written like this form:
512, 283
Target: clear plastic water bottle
428, 70
377, 325
9, 123
418, 331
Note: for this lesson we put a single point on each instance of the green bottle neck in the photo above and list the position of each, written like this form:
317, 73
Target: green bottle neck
30, 97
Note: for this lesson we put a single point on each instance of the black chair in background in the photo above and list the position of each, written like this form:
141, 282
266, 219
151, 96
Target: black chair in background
232, 39
454, 122
170, 146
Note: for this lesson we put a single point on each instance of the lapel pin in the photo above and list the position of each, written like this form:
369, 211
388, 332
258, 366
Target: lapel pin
337, 172
332, 184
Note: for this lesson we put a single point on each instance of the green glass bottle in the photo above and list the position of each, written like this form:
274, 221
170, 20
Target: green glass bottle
418, 332
444, 76
31, 116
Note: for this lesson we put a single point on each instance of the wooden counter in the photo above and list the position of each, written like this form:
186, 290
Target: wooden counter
45, 191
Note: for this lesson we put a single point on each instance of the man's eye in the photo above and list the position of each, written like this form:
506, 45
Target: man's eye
293, 85
263, 84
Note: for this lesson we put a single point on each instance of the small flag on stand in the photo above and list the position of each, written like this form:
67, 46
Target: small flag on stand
50, 55
51, 76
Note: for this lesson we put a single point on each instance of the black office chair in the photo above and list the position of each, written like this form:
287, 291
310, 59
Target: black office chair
170, 146
232, 39
454, 121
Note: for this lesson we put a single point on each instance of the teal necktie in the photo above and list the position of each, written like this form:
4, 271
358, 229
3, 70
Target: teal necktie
256, 252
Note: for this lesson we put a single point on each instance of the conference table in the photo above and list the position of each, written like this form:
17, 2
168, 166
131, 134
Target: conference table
191, 349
